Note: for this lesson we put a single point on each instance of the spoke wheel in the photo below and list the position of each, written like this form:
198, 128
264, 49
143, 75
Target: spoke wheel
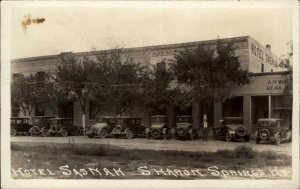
129, 134
103, 133
13, 132
44, 132
64, 133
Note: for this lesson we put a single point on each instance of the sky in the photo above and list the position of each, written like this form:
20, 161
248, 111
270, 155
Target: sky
81, 29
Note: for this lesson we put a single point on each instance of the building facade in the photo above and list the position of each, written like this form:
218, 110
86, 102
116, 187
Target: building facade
266, 95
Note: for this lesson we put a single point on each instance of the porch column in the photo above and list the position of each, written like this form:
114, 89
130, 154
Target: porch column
218, 113
196, 115
247, 110
270, 107
171, 115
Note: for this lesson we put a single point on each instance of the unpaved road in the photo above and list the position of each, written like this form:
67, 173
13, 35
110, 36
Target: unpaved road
142, 143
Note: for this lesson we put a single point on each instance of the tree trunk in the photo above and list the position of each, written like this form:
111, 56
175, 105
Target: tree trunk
83, 121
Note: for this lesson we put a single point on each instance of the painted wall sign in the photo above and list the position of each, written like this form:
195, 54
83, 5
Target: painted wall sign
276, 84
263, 55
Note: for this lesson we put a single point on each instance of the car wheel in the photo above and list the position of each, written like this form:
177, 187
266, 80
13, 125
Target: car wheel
91, 135
34, 131
129, 134
103, 133
80, 132
278, 140
228, 137
247, 138
44, 132
13, 132
64, 133
257, 140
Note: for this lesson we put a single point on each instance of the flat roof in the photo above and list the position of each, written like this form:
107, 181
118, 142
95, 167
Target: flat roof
137, 49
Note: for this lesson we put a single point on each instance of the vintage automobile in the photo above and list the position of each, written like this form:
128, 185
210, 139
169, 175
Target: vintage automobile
19, 125
272, 130
158, 127
184, 127
129, 127
62, 127
231, 129
102, 127
40, 123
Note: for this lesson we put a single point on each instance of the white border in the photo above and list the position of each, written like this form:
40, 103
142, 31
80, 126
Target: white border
6, 180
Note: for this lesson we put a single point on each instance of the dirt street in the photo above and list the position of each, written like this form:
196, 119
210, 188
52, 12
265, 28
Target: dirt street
142, 143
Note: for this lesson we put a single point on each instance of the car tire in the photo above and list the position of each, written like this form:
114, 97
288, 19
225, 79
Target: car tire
91, 135
13, 132
103, 133
81, 132
228, 137
64, 133
278, 140
129, 134
44, 132
34, 131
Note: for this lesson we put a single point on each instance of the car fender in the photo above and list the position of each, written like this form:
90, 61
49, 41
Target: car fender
62, 129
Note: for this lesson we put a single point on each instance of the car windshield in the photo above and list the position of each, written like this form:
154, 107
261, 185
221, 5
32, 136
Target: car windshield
37, 119
237, 121
55, 121
265, 123
184, 120
158, 119
122, 121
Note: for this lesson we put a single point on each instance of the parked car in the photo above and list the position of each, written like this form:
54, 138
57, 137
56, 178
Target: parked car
63, 127
271, 129
158, 127
184, 127
40, 123
232, 128
102, 127
19, 125
129, 127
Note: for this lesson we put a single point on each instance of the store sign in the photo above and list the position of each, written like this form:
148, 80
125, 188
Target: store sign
276, 84
263, 55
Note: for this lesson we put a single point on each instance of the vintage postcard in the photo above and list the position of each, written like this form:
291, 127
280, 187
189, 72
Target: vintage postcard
150, 94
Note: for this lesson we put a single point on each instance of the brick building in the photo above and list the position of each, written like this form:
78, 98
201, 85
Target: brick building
266, 95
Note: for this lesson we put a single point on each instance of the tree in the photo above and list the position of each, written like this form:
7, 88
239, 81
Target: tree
75, 76
121, 80
205, 72
24, 93
157, 92
55, 94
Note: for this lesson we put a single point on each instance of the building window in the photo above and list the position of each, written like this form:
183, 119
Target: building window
16, 76
262, 67
271, 70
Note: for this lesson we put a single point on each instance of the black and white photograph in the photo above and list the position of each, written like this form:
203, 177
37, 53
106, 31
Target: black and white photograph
150, 94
